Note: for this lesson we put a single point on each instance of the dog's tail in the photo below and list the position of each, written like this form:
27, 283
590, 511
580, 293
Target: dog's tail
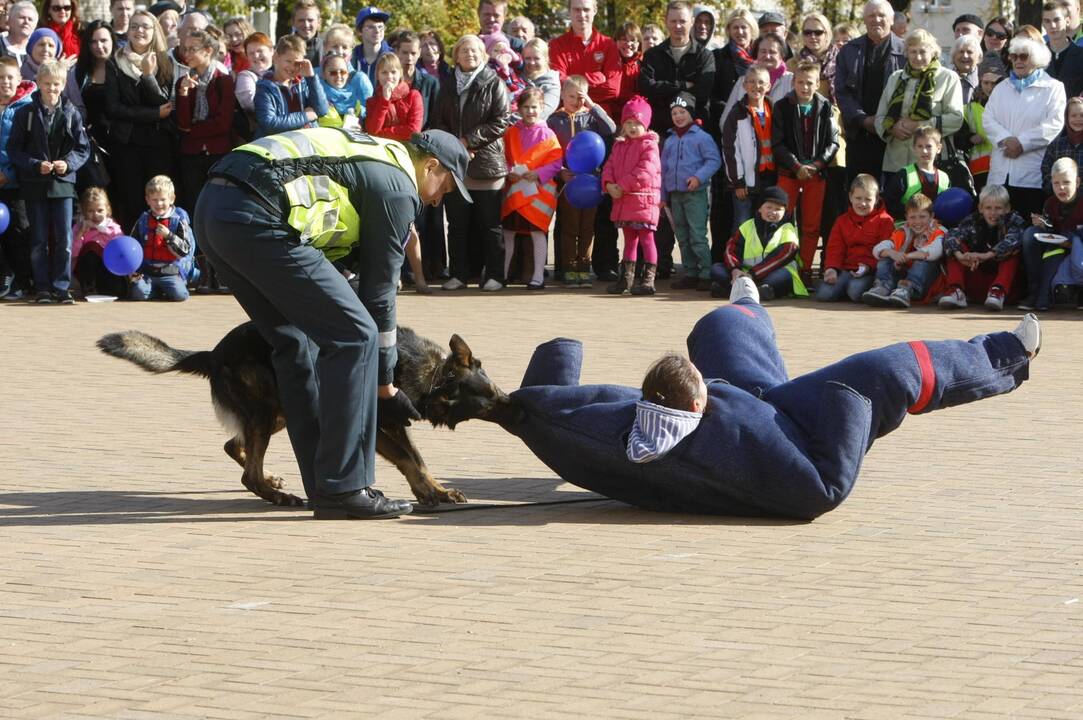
153, 355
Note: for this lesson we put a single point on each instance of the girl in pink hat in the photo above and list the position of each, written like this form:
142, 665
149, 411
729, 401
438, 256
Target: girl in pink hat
633, 177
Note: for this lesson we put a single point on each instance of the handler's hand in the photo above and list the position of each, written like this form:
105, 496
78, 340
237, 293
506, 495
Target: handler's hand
396, 410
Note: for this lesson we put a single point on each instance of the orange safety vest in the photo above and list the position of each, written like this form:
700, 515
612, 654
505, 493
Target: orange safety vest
763, 134
538, 208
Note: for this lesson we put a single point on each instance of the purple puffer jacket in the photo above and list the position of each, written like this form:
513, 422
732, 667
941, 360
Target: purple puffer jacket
635, 166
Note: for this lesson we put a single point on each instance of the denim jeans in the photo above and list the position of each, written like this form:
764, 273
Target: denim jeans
1040, 269
847, 285
920, 275
170, 287
45, 215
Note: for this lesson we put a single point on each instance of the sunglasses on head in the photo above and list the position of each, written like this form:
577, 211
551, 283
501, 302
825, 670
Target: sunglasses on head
999, 35
1018, 56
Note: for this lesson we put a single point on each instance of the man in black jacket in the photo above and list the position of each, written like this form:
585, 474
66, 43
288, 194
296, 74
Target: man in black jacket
861, 72
1067, 62
679, 64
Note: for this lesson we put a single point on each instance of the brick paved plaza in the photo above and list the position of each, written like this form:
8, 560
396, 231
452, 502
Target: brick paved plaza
139, 580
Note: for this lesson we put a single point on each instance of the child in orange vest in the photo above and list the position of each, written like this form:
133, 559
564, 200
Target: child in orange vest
534, 158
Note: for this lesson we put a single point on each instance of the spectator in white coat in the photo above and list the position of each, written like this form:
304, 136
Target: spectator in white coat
1024, 114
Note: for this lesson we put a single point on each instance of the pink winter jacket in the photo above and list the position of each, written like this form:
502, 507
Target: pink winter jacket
637, 168
92, 239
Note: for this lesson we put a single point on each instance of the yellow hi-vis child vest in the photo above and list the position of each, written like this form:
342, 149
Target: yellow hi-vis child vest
755, 251
980, 154
913, 182
320, 208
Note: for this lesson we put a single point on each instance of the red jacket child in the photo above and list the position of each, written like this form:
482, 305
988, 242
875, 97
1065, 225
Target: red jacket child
398, 118
853, 237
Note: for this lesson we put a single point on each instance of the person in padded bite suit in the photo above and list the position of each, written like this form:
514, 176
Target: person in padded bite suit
748, 440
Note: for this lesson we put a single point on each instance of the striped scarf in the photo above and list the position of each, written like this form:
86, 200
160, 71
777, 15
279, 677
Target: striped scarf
921, 105
657, 430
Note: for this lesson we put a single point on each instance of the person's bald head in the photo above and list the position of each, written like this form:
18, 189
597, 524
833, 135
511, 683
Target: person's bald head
191, 22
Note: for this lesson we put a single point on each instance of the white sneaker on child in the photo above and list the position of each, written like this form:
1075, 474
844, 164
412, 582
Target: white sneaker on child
744, 287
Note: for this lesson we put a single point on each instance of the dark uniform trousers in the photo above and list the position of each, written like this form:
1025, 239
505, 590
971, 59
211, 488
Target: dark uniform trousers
323, 338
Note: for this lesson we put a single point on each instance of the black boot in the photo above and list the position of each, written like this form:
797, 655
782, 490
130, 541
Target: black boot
624, 281
646, 285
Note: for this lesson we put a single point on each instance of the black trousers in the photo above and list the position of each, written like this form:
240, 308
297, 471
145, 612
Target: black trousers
430, 229
474, 234
15, 243
864, 154
136, 165
193, 175
324, 341
605, 257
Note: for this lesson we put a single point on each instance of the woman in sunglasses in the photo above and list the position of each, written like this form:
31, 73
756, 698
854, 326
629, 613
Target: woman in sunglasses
998, 33
1023, 115
62, 17
817, 47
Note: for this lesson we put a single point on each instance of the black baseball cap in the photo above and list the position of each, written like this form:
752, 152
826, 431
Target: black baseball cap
446, 148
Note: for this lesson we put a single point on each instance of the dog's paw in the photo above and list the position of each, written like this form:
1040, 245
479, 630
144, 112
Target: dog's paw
437, 494
274, 481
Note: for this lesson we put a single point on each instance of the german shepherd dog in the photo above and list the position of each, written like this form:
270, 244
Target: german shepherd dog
446, 390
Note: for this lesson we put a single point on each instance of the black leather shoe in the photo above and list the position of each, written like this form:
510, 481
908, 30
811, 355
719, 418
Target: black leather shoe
364, 504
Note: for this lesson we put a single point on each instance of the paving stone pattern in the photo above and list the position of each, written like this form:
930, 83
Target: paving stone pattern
139, 580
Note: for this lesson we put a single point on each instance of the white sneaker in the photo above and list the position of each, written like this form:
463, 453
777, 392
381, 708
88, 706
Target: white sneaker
1029, 332
453, 284
899, 297
491, 286
995, 301
956, 299
744, 287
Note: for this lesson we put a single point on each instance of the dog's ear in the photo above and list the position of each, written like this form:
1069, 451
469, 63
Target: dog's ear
461, 351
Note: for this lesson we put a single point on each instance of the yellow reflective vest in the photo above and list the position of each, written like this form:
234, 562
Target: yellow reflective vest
755, 251
320, 208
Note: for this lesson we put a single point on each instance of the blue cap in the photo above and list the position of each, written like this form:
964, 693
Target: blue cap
40, 33
371, 12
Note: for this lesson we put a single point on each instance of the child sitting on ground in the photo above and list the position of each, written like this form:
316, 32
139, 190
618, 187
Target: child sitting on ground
1063, 214
90, 235
168, 245
674, 397
689, 159
913, 252
534, 159
395, 110
983, 251
849, 259
765, 249
633, 177
48, 145
577, 112
921, 176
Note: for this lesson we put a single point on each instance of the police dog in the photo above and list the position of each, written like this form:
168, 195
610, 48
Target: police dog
446, 390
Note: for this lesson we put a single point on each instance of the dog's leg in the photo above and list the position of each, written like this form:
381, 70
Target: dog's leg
234, 447
254, 478
394, 445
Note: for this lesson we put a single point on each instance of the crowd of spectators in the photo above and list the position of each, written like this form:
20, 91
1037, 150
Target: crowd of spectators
806, 156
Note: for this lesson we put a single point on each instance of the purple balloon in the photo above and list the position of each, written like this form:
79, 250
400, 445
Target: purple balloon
584, 191
585, 152
123, 255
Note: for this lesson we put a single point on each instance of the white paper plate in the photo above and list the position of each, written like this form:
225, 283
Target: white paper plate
1050, 238
100, 298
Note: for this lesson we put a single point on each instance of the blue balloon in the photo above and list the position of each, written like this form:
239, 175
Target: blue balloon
123, 255
5, 218
952, 205
585, 152
584, 191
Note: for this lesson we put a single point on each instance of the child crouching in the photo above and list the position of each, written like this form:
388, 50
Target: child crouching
764, 249
168, 246
913, 253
